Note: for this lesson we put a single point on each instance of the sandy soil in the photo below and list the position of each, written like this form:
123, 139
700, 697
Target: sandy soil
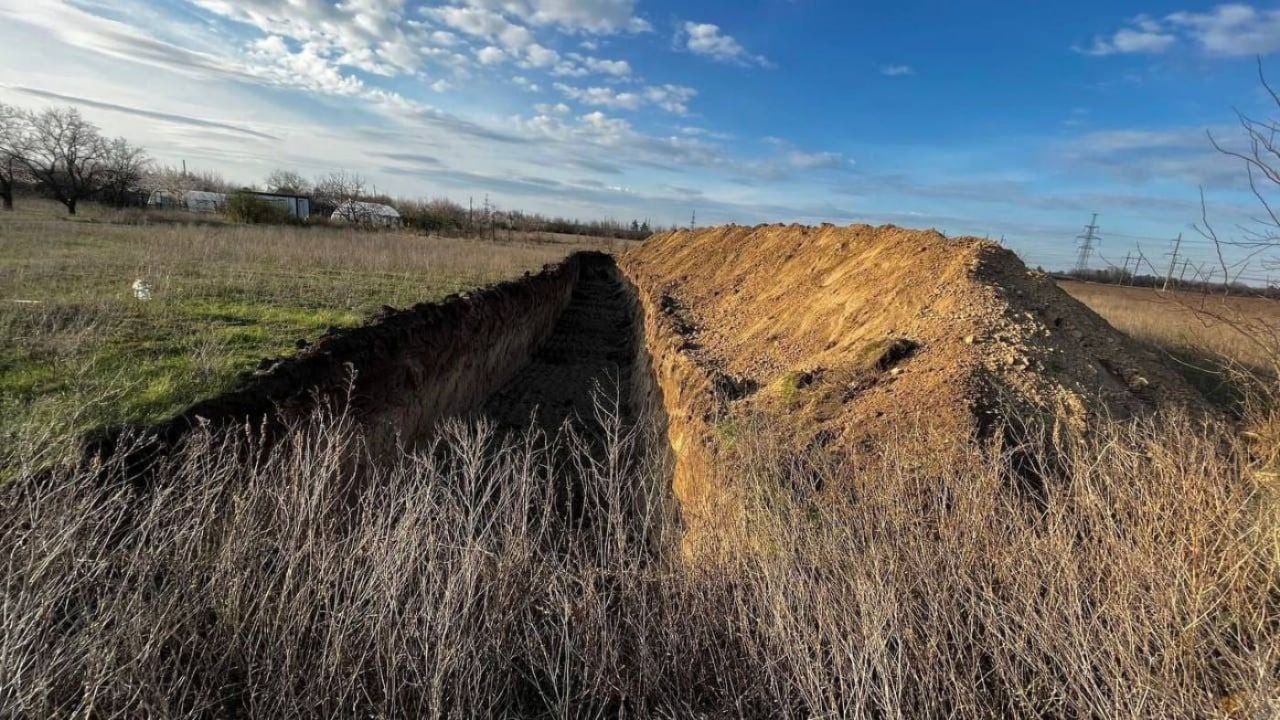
845, 332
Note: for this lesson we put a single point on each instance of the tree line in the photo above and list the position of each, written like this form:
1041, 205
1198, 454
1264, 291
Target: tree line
65, 156
60, 154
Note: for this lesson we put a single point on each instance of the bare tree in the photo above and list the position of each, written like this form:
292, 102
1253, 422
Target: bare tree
342, 192
177, 181
287, 182
1260, 155
65, 153
125, 167
13, 131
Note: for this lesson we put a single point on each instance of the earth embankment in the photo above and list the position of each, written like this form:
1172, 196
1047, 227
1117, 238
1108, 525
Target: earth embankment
846, 336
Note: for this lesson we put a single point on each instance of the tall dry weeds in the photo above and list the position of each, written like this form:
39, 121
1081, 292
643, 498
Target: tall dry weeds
472, 579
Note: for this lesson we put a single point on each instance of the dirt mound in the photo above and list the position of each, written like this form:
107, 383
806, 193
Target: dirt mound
847, 332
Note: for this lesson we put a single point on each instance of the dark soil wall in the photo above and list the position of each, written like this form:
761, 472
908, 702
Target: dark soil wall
403, 372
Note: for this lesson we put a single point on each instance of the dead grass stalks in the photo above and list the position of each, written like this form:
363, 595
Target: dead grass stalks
456, 582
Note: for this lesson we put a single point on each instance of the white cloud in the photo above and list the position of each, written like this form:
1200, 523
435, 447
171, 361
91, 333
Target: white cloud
817, 160
896, 70
1226, 30
616, 68
483, 24
601, 97
1232, 29
1129, 41
369, 35
672, 98
593, 16
526, 83
1141, 155
707, 40
490, 55
539, 56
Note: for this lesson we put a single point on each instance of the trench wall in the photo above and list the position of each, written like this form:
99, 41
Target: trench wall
401, 373
669, 387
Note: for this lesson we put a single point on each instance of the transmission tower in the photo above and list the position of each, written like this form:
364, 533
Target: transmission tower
1087, 239
1173, 261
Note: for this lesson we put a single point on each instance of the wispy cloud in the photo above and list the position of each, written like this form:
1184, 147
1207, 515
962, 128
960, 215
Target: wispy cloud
139, 112
710, 41
896, 70
1226, 30
672, 98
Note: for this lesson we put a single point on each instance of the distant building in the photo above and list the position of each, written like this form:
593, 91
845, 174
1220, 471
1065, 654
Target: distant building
298, 206
366, 213
193, 200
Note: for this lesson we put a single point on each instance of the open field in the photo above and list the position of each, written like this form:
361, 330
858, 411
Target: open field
1204, 336
77, 350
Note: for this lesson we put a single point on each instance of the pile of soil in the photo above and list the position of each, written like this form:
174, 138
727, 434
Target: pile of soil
846, 332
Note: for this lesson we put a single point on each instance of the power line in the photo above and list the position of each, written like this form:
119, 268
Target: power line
1087, 240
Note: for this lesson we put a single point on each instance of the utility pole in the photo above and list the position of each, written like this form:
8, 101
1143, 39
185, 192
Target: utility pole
693, 221
1124, 274
1183, 275
1173, 261
1087, 240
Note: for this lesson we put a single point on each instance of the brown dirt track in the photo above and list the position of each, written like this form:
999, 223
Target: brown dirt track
849, 335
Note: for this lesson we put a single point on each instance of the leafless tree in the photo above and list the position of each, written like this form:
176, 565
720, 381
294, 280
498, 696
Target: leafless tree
176, 181
125, 167
342, 192
66, 154
288, 182
13, 131
1260, 155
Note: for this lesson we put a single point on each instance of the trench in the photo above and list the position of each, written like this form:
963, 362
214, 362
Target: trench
584, 367
549, 349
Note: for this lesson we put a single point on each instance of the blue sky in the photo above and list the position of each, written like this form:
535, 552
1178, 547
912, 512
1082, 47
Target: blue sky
1008, 119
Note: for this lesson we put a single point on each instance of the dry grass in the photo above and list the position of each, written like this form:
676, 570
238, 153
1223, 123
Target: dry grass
78, 350
454, 583
1214, 340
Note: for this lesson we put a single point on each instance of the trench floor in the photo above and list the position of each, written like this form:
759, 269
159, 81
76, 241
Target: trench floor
588, 356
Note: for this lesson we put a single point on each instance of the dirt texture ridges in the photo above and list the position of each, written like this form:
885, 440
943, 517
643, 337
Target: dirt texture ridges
850, 333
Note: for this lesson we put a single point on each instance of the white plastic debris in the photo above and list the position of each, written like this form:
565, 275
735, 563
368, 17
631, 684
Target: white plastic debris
142, 289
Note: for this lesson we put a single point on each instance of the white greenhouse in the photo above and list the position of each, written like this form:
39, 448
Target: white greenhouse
366, 213
193, 200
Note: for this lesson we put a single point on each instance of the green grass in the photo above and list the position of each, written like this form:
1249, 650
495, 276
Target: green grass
79, 351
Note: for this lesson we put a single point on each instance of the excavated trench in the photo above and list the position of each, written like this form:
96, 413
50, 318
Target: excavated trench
550, 348
586, 364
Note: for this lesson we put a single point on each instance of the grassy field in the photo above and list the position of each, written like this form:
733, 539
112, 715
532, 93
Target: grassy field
1215, 341
78, 350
